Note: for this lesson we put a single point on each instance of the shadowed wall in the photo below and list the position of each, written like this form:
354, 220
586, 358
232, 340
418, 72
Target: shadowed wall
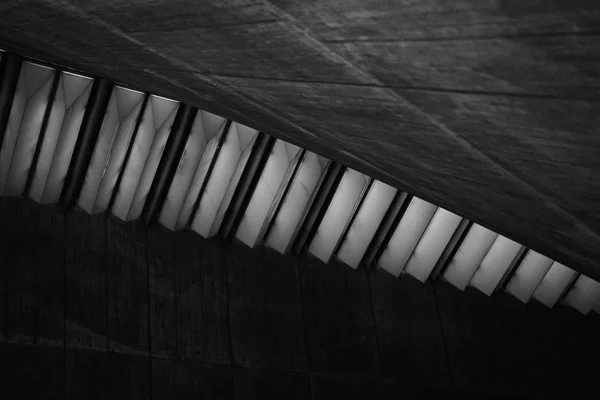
92, 306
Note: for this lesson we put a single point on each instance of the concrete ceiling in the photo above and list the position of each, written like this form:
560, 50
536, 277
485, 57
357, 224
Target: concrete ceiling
487, 108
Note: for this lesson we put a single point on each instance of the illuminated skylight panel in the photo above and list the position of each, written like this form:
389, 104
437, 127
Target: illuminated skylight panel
210, 155
406, 236
26, 120
584, 294
432, 244
337, 215
554, 284
221, 185
151, 165
528, 276
13, 127
156, 113
278, 165
186, 170
496, 263
129, 105
294, 203
469, 256
59, 140
364, 226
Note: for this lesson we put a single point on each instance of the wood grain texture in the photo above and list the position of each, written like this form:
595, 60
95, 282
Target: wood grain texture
251, 384
265, 309
32, 372
86, 286
202, 302
128, 304
49, 255
410, 336
20, 272
190, 380
162, 288
340, 331
475, 341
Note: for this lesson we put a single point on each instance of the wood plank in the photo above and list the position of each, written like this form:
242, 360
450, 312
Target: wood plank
32, 372
251, 384
20, 272
130, 375
86, 286
171, 379
393, 319
527, 352
88, 374
10, 241
329, 387
211, 382
185, 379
265, 309
202, 303
128, 314
340, 331
476, 342
163, 300
432, 366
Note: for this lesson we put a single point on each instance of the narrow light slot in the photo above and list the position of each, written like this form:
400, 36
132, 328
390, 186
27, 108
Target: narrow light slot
554, 284
31, 100
155, 115
228, 169
202, 176
584, 294
528, 275
432, 244
406, 236
364, 226
469, 256
386, 228
202, 133
61, 135
278, 164
163, 131
294, 204
10, 69
337, 215
109, 155
495, 264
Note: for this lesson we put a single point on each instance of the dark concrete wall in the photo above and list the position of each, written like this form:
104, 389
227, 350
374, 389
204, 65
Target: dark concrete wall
92, 307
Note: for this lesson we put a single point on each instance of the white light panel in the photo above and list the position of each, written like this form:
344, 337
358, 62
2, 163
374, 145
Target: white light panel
221, 185
294, 204
280, 161
495, 264
206, 127
528, 276
469, 256
364, 226
337, 215
155, 115
554, 284
60, 137
117, 130
406, 236
584, 294
432, 244
24, 126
